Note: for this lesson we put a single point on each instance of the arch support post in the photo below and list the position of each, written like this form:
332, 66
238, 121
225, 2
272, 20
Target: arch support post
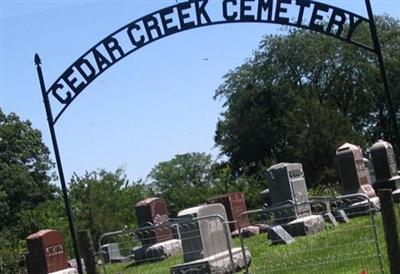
58, 162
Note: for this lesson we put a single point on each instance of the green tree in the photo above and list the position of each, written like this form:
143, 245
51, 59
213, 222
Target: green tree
24, 170
103, 201
25, 184
303, 94
183, 181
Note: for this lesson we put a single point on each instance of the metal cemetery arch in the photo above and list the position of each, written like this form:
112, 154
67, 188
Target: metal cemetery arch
189, 15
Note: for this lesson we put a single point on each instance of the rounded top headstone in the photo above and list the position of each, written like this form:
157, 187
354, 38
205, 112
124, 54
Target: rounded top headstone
282, 165
40, 234
381, 144
148, 201
347, 146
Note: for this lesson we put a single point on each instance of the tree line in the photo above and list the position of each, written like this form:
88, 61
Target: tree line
296, 99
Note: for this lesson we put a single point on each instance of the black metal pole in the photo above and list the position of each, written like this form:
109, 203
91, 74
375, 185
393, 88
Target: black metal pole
58, 161
378, 51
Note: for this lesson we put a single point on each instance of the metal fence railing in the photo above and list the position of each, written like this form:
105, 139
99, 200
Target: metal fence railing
164, 246
329, 247
325, 235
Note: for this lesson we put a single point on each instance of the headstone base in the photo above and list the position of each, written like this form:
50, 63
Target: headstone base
305, 226
66, 271
217, 264
159, 251
247, 231
362, 208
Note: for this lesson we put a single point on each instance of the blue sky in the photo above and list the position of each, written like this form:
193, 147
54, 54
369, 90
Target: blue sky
153, 104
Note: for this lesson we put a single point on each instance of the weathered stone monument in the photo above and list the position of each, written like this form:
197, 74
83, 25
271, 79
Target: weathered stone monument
287, 188
157, 240
235, 205
152, 212
386, 173
384, 161
354, 176
112, 253
47, 253
206, 242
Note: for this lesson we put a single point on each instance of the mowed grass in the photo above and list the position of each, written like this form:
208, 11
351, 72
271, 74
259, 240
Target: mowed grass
347, 248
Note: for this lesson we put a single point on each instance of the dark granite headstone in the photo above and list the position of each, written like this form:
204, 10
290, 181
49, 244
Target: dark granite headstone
371, 171
354, 175
46, 252
153, 212
286, 183
385, 166
235, 204
341, 216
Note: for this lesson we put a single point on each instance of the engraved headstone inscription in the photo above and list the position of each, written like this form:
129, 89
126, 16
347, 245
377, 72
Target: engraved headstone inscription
235, 205
384, 161
46, 252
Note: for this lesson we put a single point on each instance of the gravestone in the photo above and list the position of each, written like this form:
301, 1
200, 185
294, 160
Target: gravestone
206, 241
385, 166
157, 240
287, 184
355, 179
277, 234
112, 254
235, 205
354, 176
47, 253
287, 187
153, 212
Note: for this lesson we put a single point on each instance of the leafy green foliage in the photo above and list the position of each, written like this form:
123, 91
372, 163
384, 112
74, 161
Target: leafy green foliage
302, 95
190, 179
103, 201
25, 185
24, 167
183, 181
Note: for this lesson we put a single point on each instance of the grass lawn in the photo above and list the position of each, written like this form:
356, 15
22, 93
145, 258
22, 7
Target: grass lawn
348, 248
